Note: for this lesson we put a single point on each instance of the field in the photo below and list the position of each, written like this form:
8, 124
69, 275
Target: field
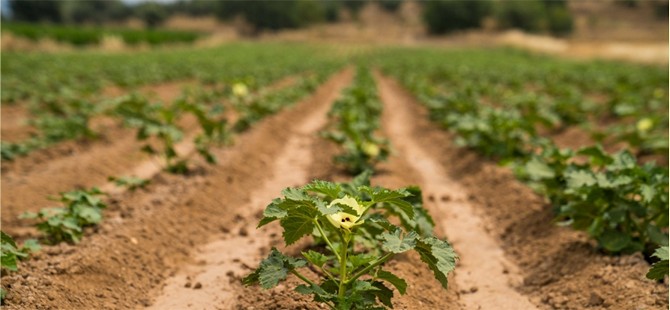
522, 181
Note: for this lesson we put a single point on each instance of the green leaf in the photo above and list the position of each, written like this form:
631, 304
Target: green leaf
399, 283
273, 269
295, 194
315, 258
659, 269
383, 293
271, 213
361, 259
396, 243
329, 189
392, 197
538, 170
579, 178
614, 241
439, 256
647, 192
298, 223
31, 246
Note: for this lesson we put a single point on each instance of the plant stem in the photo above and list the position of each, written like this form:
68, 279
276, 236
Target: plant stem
343, 267
373, 265
297, 274
323, 234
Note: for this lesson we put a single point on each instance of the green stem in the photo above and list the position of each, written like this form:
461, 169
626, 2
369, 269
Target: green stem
323, 234
297, 274
343, 267
373, 265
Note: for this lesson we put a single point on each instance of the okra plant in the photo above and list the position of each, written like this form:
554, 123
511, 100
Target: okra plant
358, 239
82, 208
11, 254
660, 268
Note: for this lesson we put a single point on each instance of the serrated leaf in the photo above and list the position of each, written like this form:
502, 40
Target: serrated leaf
329, 189
315, 258
272, 213
397, 243
273, 269
661, 253
392, 197
295, 194
399, 283
298, 223
383, 294
439, 256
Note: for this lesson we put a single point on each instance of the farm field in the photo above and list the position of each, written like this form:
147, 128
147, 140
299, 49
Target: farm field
488, 178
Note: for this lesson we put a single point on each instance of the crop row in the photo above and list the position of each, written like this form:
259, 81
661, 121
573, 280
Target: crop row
159, 123
620, 202
66, 113
351, 223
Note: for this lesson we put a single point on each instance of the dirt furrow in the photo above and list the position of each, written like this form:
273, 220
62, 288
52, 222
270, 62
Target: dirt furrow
558, 268
148, 235
217, 263
491, 278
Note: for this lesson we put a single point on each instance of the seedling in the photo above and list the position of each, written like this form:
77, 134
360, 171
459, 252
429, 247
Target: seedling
82, 208
358, 239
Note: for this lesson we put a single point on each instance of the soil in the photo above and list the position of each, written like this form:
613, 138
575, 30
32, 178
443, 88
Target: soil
185, 242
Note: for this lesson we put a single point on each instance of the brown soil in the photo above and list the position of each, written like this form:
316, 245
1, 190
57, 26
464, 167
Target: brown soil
14, 122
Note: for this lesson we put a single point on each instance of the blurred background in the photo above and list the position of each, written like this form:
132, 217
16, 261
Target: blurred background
628, 29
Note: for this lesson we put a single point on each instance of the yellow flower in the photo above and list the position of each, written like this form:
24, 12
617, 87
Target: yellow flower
240, 90
343, 219
645, 124
370, 149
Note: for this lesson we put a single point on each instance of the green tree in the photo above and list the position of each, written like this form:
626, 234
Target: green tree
447, 16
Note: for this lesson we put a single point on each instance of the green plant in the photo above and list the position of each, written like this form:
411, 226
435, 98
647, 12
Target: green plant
659, 269
82, 208
11, 254
154, 120
351, 277
132, 183
355, 118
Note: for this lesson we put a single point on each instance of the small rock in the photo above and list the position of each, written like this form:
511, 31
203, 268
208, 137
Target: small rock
595, 300
446, 198
243, 232
187, 285
133, 240
474, 289
197, 286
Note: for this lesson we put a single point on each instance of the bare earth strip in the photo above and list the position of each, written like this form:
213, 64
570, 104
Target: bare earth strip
491, 275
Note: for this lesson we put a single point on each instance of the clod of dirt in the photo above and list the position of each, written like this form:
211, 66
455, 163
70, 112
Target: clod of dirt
187, 285
197, 286
243, 232
595, 300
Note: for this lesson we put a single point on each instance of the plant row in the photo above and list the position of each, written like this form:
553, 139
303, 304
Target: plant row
618, 201
355, 119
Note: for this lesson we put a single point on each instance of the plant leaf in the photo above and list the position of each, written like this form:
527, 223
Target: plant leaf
439, 256
399, 283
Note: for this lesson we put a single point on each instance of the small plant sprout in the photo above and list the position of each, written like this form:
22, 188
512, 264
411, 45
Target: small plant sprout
351, 223
130, 182
81, 208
